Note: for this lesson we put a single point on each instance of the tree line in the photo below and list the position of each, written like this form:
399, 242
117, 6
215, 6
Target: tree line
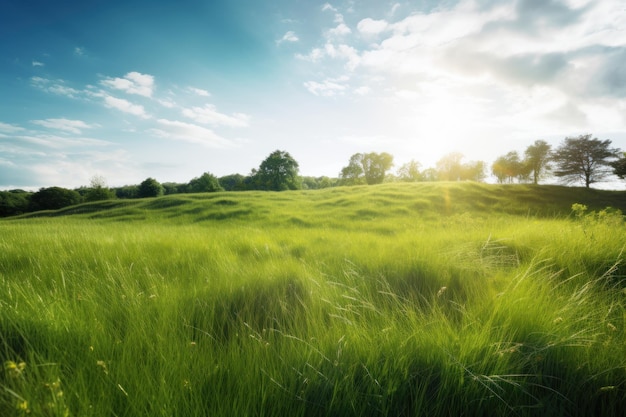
581, 159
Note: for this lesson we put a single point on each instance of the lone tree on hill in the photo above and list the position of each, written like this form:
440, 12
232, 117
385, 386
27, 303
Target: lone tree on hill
278, 172
150, 188
584, 159
370, 167
538, 159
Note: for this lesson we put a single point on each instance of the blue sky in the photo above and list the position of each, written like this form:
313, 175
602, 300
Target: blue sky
170, 89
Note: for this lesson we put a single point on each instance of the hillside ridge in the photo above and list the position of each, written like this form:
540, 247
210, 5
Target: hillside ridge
367, 202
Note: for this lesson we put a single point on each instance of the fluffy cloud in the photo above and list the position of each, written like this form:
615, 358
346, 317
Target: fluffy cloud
343, 52
71, 126
290, 36
132, 83
328, 6
125, 106
209, 115
369, 26
57, 87
327, 88
177, 130
340, 30
570, 46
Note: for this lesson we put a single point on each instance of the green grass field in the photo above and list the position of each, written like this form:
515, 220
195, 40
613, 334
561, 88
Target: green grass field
438, 299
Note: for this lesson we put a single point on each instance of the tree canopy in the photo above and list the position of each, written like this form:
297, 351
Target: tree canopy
508, 167
619, 166
53, 198
150, 188
367, 167
98, 190
205, 183
410, 172
583, 159
537, 159
450, 168
278, 172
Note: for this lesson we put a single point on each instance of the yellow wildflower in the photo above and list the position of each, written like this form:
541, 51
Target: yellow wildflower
14, 369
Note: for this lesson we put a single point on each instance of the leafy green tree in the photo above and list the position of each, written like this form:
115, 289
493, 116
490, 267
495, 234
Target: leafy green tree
174, 188
449, 167
127, 191
584, 159
233, 182
500, 170
619, 166
206, 183
150, 188
410, 172
14, 202
326, 182
98, 190
353, 173
508, 167
537, 159
430, 175
278, 172
375, 166
370, 167
473, 171
53, 198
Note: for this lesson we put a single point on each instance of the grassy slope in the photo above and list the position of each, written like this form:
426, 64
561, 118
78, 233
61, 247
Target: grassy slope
400, 299
339, 204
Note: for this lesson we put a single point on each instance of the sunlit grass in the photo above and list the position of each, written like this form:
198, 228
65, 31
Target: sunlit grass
427, 299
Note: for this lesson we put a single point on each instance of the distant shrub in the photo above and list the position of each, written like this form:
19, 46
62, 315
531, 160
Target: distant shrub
608, 215
54, 198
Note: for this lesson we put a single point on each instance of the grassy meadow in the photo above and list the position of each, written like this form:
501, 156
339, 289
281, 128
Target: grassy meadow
432, 299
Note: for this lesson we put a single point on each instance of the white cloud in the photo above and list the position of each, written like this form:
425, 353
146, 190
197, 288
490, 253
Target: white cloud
327, 88
209, 115
315, 55
6, 162
289, 36
9, 128
80, 51
71, 126
369, 26
363, 90
132, 83
340, 30
38, 64
54, 86
177, 130
60, 142
167, 102
63, 90
125, 106
328, 6
343, 52
199, 91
